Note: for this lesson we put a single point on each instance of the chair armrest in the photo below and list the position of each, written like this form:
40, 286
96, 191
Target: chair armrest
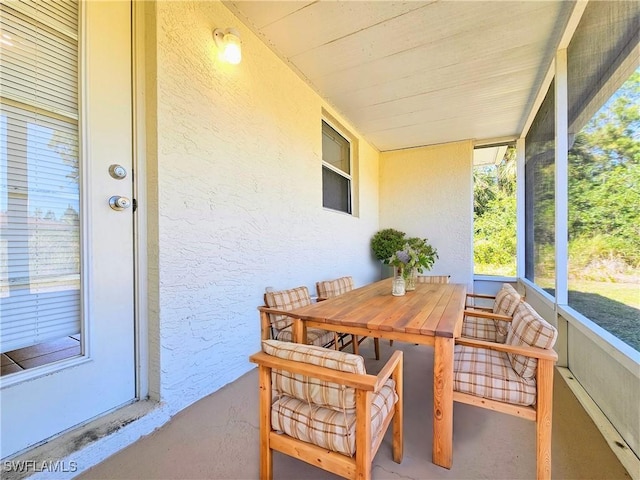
275, 311
527, 351
481, 295
472, 312
358, 381
391, 366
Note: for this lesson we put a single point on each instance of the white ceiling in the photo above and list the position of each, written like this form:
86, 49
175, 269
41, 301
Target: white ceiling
420, 72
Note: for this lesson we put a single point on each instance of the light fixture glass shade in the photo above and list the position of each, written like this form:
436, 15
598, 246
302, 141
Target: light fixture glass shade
228, 43
231, 50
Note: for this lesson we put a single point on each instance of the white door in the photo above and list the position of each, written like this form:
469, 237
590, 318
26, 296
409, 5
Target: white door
40, 402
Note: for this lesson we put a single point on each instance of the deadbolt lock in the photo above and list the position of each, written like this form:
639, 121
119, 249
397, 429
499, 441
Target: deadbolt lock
117, 171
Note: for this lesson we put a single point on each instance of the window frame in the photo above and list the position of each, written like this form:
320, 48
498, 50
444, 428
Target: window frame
348, 176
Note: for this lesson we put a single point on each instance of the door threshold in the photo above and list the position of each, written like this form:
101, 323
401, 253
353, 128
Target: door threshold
76, 450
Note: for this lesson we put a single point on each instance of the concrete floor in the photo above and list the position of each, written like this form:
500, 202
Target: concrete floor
217, 438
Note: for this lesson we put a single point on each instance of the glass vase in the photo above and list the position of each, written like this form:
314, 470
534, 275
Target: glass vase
398, 286
410, 280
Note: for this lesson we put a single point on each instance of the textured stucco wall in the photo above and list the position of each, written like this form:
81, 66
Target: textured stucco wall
239, 199
428, 192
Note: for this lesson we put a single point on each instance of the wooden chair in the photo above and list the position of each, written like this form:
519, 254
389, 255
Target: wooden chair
320, 406
433, 278
276, 323
332, 288
490, 323
515, 377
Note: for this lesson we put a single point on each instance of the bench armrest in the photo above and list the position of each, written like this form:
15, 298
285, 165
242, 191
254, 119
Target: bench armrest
535, 352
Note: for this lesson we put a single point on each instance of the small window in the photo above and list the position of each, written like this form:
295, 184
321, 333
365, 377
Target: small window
336, 170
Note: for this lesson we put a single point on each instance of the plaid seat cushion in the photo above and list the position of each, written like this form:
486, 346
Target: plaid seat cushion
315, 336
328, 428
308, 389
488, 374
286, 300
529, 328
333, 288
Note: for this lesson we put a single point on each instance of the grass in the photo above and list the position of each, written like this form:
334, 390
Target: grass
613, 306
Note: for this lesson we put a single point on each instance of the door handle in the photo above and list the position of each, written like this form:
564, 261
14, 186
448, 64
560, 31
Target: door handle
119, 203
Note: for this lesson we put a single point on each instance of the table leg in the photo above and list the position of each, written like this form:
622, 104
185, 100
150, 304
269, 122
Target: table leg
299, 331
443, 402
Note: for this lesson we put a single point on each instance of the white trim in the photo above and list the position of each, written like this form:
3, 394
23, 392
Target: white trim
494, 142
570, 28
561, 178
141, 308
615, 441
520, 209
542, 92
494, 278
622, 353
574, 19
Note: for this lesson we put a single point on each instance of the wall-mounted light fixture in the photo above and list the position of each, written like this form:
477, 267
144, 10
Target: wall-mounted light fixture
228, 42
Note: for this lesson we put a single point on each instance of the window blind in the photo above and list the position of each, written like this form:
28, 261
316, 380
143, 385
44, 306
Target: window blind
39, 172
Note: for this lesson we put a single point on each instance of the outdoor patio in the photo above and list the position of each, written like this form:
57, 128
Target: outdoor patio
217, 438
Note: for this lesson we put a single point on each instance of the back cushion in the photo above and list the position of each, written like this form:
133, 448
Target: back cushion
286, 300
506, 300
309, 389
505, 303
529, 328
333, 288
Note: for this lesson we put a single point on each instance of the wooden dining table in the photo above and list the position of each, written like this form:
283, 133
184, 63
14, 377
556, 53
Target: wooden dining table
429, 315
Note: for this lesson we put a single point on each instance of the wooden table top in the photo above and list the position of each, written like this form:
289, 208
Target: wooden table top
432, 309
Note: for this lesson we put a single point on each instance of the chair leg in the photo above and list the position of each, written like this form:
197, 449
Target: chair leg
544, 409
398, 420
266, 454
376, 346
356, 345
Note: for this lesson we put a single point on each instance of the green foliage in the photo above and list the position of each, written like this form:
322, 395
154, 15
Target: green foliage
423, 254
604, 181
604, 200
387, 242
495, 218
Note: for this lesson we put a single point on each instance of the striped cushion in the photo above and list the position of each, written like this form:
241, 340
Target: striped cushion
529, 328
333, 288
286, 300
433, 278
328, 428
319, 392
507, 299
315, 336
480, 328
488, 374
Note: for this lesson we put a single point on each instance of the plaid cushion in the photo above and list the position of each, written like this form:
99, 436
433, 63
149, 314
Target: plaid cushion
480, 328
286, 300
433, 278
488, 374
331, 429
529, 328
315, 336
333, 288
507, 299
309, 389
